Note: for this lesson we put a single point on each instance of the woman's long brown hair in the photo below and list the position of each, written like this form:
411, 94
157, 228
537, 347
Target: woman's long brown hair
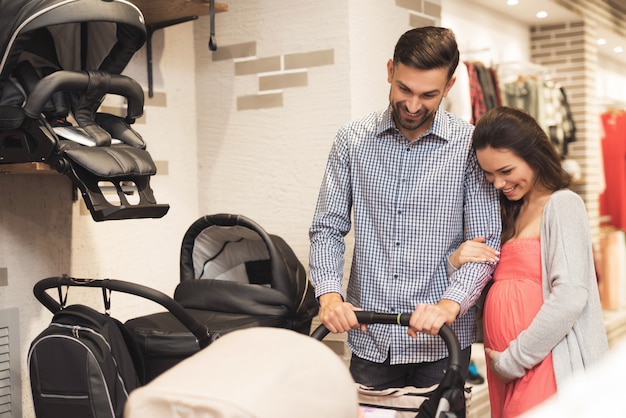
515, 130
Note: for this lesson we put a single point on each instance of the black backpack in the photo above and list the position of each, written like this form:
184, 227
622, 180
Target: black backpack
84, 364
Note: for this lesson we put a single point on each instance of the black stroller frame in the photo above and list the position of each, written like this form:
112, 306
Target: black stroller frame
58, 61
446, 400
233, 275
200, 331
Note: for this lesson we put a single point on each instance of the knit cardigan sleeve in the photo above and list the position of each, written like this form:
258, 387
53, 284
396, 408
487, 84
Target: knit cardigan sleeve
567, 261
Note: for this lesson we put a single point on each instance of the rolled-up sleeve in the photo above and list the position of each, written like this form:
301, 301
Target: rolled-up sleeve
481, 218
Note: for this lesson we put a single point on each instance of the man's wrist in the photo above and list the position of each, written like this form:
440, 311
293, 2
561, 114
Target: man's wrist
451, 307
330, 298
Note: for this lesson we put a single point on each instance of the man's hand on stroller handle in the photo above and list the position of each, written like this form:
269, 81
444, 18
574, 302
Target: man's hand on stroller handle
339, 316
429, 319
370, 317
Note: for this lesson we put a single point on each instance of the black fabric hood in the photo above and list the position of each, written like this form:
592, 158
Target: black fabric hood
72, 35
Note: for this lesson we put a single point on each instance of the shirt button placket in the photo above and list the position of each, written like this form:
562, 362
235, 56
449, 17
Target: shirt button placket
399, 222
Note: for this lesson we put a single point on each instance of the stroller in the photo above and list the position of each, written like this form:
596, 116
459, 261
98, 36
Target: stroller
58, 61
252, 372
233, 275
448, 399
270, 373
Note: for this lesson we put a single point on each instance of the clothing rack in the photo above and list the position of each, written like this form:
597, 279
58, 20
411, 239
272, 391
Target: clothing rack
477, 55
474, 51
610, 104
513, 70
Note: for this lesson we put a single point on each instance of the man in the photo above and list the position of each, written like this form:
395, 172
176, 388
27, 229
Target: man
410, 181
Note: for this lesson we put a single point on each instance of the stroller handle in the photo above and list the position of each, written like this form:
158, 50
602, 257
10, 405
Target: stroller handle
369, 317
64, 80
199, 330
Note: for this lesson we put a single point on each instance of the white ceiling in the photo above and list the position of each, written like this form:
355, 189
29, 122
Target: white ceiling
525, 11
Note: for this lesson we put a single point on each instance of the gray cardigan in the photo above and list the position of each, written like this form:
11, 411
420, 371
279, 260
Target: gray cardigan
569, 323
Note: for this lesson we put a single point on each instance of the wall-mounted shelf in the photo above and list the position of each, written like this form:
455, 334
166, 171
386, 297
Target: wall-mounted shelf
27, 168
160, 11
160, 14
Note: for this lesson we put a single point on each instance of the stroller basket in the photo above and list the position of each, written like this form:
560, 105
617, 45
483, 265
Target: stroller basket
447, 399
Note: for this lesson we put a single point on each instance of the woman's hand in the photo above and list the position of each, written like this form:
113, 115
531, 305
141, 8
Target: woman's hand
474, 251
492, 356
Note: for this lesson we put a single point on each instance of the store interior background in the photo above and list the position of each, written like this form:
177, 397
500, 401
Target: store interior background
232, 134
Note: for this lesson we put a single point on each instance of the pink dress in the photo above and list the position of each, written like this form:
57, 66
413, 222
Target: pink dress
510, 306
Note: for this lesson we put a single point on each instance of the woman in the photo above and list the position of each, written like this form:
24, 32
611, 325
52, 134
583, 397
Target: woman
542, 315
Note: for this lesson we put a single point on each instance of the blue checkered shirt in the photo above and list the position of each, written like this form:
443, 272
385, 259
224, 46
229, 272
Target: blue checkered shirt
410, 203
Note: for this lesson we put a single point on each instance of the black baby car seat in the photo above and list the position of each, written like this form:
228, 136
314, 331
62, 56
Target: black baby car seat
233, 275
58, 61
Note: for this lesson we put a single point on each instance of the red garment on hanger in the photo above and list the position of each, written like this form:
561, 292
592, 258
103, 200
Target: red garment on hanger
476, 93
613, 199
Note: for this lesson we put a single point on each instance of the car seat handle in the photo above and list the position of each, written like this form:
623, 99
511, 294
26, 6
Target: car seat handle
278, 269
79, 81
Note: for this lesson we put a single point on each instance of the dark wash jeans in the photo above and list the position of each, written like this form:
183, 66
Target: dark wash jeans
422, 375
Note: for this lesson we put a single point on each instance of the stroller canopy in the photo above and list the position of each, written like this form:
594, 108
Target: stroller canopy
70, 34
229, 263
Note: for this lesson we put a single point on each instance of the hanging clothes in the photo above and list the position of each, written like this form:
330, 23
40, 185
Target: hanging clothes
613, 199
557, 119
534, 91
476, 93
496, 85
486, 85
526, 93
569, 126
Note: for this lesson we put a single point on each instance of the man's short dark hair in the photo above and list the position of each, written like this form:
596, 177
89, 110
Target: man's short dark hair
428, 48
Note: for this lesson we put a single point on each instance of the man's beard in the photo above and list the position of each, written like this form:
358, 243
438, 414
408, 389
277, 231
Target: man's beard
410, 124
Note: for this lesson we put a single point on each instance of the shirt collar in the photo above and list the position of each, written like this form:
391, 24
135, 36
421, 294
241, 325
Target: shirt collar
385, 122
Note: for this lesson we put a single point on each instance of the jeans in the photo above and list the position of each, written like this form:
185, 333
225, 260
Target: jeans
422, 375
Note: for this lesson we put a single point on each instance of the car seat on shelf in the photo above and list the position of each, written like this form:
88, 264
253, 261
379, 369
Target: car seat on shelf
59, 60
